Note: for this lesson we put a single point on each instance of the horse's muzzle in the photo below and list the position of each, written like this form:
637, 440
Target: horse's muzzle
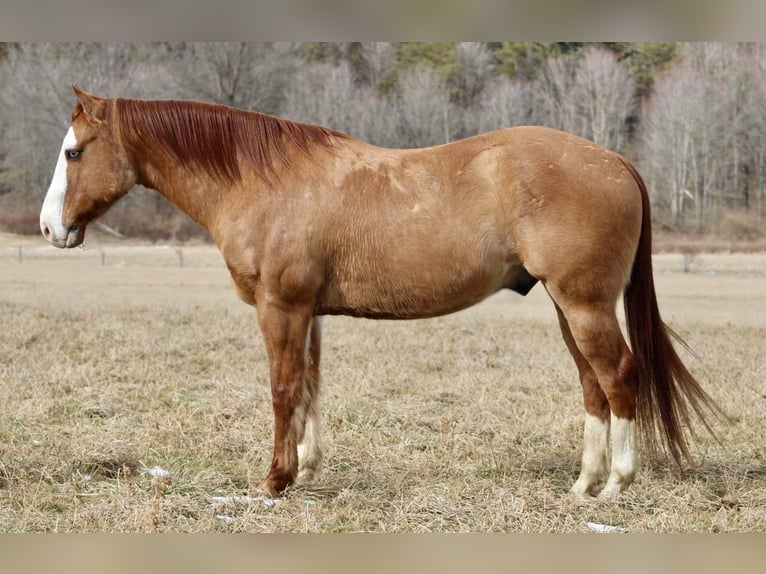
72, 236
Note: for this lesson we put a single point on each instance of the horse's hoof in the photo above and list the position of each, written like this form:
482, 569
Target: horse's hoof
269, 489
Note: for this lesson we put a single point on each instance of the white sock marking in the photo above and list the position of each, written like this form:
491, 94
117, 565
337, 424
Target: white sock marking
624, 457
594, 464
309, 449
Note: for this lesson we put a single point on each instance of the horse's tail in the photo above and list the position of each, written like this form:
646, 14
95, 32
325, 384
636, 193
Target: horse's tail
666, 389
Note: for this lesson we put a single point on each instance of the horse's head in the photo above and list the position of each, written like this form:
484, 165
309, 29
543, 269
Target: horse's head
92, 172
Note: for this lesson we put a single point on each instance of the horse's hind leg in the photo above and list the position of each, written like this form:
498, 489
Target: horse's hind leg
309, 445
597, 336
594, 466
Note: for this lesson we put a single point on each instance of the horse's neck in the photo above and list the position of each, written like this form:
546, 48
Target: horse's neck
197, 195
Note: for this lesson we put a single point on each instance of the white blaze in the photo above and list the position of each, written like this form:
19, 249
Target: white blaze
53, 206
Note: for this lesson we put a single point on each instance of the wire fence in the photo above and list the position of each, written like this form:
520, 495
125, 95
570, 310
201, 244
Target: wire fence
739, 264
744, 264
117, 255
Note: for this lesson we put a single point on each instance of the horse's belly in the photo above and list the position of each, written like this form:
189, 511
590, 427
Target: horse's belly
412, 292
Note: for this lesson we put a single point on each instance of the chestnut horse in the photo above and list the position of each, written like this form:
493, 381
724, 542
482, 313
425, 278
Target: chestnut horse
314, 222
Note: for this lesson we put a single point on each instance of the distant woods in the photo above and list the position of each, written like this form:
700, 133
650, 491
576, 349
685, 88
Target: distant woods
691, 116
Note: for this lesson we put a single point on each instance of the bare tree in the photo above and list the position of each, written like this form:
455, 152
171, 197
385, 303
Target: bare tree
321, 94
380, 63
505, 103
555, 86
669, 130
374, 118
753, 140
242, 74
603, 94
688, 130
716, 59
590, 94
326, 94
426, 115
472, 74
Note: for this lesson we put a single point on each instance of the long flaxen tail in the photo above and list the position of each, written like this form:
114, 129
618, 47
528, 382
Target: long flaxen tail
667, 393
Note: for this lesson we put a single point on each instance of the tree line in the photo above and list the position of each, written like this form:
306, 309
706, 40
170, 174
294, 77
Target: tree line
692, 116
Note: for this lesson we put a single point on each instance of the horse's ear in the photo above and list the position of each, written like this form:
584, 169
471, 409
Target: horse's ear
93, 106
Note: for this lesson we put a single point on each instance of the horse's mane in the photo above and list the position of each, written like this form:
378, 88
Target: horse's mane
211, 135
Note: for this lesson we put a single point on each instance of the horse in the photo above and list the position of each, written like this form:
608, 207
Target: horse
312, 222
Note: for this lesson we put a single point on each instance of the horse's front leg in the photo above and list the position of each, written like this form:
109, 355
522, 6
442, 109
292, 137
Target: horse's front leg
285, 329
309, 447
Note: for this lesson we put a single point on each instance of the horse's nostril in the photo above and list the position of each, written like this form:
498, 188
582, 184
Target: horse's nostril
46, 231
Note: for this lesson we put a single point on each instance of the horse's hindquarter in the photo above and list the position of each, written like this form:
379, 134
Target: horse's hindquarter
574, 207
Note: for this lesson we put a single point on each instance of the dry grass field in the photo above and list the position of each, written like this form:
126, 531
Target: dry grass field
116, 360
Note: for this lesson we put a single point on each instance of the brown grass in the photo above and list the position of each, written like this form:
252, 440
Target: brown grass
469, 422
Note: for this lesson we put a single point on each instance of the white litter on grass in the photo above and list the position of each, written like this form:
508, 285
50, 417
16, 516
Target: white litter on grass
265, 502
36, 442
157, 472
224, 517
603, 528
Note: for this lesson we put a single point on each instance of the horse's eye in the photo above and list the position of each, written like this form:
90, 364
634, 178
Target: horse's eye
73, 154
